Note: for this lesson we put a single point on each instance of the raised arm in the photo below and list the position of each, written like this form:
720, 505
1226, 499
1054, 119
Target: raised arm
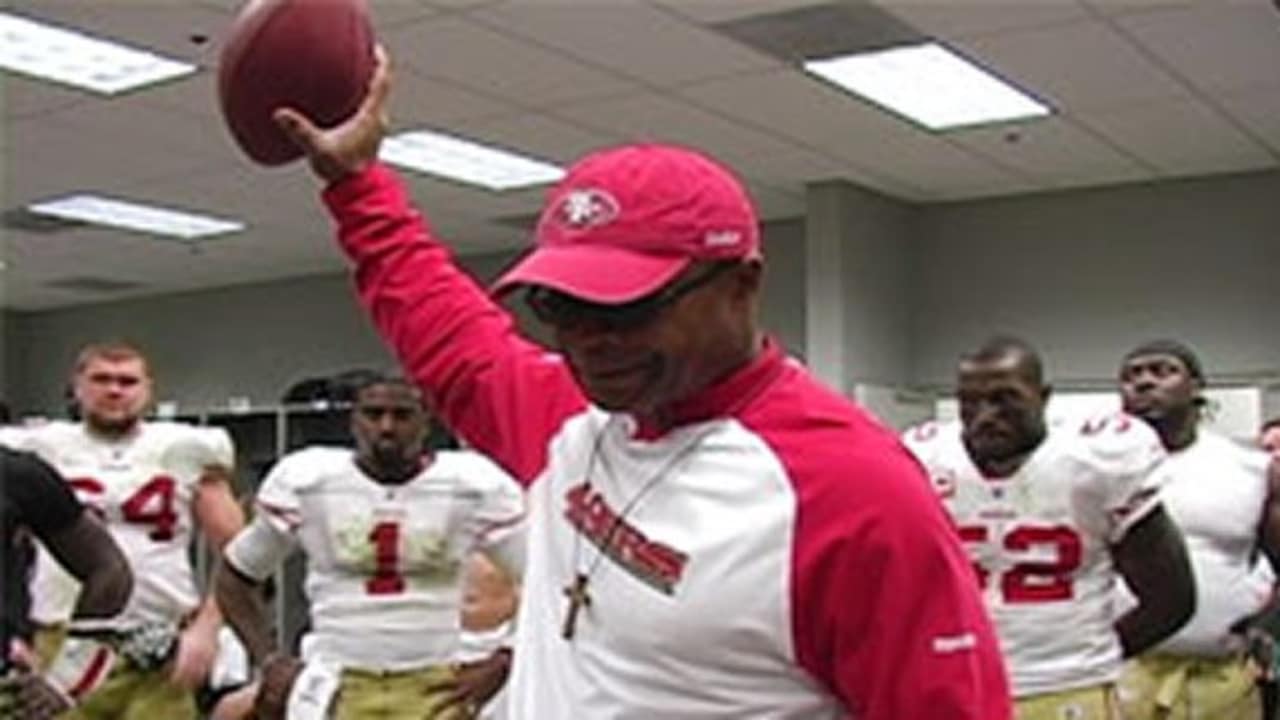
504, 395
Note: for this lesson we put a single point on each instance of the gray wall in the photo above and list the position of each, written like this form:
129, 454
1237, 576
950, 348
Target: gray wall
256, 340
857, 291
1087, 274
1084, 274
782, 305
205, 347
6, 348
877, 300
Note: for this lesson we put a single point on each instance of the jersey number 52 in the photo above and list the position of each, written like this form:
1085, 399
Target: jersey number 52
1032, 581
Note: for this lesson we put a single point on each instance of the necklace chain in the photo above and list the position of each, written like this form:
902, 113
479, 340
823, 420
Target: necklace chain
577, 590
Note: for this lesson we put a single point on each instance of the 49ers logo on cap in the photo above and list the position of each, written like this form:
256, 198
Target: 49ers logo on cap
588, 207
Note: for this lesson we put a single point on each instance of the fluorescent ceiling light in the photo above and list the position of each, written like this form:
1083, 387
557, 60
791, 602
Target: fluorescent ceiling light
70, 57
133, 216
454, 158
929, 84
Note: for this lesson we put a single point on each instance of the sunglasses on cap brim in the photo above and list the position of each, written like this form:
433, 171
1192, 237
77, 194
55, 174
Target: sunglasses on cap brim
562, 310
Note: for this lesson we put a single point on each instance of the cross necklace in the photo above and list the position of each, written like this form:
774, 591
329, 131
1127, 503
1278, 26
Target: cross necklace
577, 591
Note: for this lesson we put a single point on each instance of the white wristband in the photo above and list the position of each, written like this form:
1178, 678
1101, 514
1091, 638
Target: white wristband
313, 692
82, 665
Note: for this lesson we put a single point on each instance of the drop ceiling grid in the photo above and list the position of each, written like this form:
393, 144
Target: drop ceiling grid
1134, 80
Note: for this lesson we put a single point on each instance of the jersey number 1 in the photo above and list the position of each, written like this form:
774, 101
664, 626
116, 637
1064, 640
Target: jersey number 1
386, 579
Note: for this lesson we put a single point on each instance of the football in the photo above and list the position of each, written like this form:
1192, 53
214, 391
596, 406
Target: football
315, 56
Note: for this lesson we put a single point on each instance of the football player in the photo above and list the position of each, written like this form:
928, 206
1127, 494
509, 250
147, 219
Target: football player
386, 530
150, 482
1053, 515
35, 500
1218, 494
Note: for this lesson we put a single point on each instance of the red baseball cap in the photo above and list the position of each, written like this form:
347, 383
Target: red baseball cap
625, 221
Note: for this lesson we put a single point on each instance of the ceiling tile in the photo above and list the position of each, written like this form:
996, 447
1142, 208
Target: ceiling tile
164, 129
657, 118
1052, 152
159, 265
1074, 67
22, 97
180, 30
560, 77
279, 196
1112, 8
386, 13
455, 5
717, 11
493, 64
993, 184
57, 154
623, 37
1219, 46
543, 136
1179, 138
879, 149
795, 167
417, 99
974, 18
1258, 111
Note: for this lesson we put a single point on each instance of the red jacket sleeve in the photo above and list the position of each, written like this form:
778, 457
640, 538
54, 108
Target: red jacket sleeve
886, 611
504, 395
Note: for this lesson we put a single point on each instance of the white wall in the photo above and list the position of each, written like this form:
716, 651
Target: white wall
1085, 275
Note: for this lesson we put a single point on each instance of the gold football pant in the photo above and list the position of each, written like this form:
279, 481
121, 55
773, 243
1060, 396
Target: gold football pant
369, 695
1171, 687
131, 694
1095, 702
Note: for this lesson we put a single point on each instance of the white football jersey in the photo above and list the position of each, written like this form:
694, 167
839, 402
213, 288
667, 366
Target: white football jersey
1216, 491
384, 562
1039, 540
142, 486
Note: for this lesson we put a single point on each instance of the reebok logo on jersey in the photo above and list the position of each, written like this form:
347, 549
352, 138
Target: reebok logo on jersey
947, 644
653, 563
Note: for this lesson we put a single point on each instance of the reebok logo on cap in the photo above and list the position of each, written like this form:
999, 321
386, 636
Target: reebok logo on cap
722, 238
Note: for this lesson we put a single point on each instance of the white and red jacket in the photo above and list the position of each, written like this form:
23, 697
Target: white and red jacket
776, 555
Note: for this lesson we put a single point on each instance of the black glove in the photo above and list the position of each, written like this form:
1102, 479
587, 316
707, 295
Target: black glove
24, 695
